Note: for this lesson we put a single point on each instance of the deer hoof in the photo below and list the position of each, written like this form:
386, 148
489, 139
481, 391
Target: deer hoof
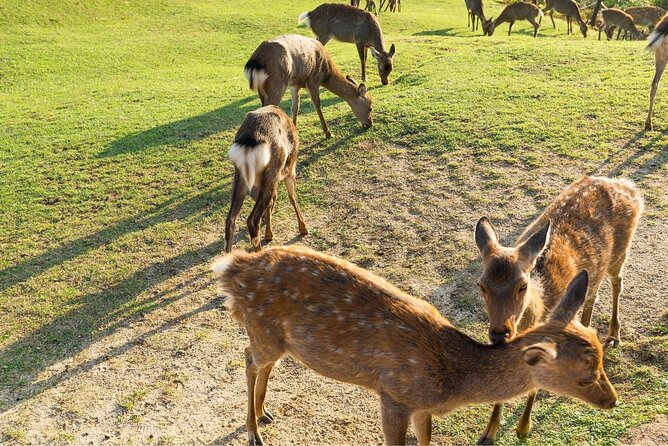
256, 441
269, 237
648, 125
611, 341
523, 431
266, 418
303, 230
485, 440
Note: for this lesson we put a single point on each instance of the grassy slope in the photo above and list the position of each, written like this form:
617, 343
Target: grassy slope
115, 119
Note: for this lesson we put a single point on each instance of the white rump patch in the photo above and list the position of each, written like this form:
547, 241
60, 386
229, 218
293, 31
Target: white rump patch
255, 78
222, 264
656, 40
303, 17
249, 160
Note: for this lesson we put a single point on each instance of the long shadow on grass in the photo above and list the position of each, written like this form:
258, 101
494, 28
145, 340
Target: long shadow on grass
195, 128
94, 317
645, 168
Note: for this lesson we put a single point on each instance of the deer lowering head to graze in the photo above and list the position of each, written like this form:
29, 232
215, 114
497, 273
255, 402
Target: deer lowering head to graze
647, 16
568, 8
616, 18
347, 324
352, 25
514, 12
302, 62
475, 15
264, 153
658, 44
590, 226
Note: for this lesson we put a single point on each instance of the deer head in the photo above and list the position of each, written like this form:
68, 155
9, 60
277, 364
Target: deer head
384, 63
361, 103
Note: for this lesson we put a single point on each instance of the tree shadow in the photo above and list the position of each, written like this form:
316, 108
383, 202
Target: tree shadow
641, 169
229, 437
449, 32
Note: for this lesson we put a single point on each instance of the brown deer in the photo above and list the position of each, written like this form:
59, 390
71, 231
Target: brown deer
264, 152
616, 18
568, 8
350, 325
514, 12
392, 5
658, 44
370, 5
347, 24
475, 15
590, 226
647, 16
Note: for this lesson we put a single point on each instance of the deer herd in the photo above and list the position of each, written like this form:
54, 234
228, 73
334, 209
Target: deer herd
350, 325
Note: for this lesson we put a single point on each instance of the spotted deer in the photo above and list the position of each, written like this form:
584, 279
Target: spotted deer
475, 15
658, 44
514, 12
264, 152
347, 324
352, 25
571, 10
616, 18
301, 62
590, 226
647, 16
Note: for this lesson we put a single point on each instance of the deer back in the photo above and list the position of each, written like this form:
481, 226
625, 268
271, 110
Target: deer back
645, 15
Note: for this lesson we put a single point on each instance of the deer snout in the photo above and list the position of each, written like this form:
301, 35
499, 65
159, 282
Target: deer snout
385, 81
499, 337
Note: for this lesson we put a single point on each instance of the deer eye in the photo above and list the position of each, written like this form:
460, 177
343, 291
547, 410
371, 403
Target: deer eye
523, 288
586, 383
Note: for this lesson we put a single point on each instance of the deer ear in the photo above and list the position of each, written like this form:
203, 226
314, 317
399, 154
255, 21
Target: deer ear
485, 236
540, 352
351, 80
361, 90
573, 299
392, 49
374, 53
531, 249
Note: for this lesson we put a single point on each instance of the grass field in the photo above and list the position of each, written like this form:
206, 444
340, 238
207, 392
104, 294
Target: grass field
115, 120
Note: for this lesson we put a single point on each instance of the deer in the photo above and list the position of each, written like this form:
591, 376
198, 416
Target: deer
475, 11
302, 62
370, 5
571, 10
512, 13
658, 44
348, 324
264, 152
347, 24
616, 18
647, 16
590, 225
392, 5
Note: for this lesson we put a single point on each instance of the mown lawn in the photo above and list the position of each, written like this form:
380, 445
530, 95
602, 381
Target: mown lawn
116, 116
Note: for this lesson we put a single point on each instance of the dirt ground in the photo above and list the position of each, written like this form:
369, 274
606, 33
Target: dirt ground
175, 375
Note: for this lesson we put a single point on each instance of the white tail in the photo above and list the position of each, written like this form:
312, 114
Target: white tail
255, 77
249, 160
303, 17
657, 39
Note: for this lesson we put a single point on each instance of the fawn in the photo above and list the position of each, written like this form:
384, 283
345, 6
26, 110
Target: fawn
647, 16
264, 152
590, 226
658, 44
613, 17
348, 24
475, 15
350, 325
512, 13
571, 10
302, 62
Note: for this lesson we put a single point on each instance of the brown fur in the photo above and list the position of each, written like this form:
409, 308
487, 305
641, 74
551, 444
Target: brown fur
302, 62
590, 226
659, 46
571, 10
514, 12
349, 24
647, 16
616, 18
348, 324
271, 126
475, 15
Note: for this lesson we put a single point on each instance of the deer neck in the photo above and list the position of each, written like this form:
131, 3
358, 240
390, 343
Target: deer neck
535, 310
340, 86
376, 39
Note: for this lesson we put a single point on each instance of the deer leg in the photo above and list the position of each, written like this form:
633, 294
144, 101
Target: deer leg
314, 92
422, 426
268, 233
361, 51
394, 418
524, 425
615, 327
489, 435
263, 415
290, 182
554, 25
468, 19
590, 302
295, 104
510, 27
535, 27
239, 191
266, 191
661, 59
619, 31
254, 437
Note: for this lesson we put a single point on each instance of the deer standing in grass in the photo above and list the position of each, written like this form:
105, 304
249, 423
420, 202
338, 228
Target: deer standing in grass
301, 62
350, 325
568, 8
352, 25
392, 5
647, 16
658, 44
590, 226
264, 153
514, 12
616, 18
475, 15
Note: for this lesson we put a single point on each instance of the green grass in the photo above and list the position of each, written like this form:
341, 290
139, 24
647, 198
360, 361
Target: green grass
115, 118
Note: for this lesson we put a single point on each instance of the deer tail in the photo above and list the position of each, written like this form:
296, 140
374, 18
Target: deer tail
249, 160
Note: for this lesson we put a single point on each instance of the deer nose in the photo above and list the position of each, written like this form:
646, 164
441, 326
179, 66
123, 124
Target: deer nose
498, 337
612, 404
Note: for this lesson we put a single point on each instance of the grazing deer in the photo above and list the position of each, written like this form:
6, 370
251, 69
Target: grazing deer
512, 13
352, 25
590, 226
350, 325
302, 62
264, 153
658, 44
392, 5
647, 16
370, 5
613, 17
571, 10
475, 15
